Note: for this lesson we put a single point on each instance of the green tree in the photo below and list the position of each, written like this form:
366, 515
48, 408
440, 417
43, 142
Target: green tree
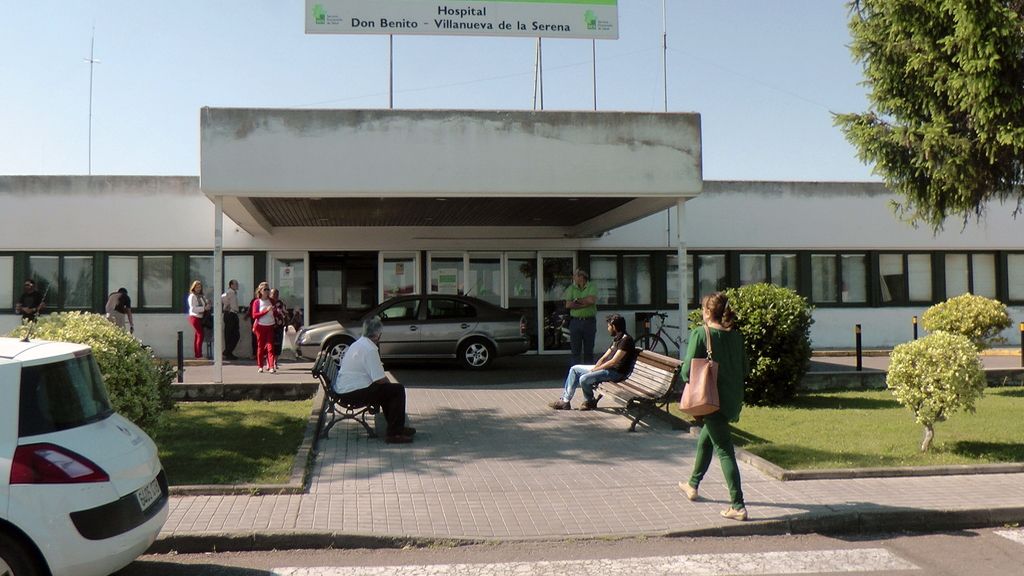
945, 127
936, 376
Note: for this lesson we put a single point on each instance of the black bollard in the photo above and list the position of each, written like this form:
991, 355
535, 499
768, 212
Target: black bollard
181, 358
915, 327
860, 351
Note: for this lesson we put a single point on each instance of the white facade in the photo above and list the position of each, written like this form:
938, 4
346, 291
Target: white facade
141, 214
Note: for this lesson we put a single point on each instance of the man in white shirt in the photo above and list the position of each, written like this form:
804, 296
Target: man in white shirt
361, 379
229, 305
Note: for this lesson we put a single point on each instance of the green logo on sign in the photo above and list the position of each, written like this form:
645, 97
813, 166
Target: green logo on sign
319, 15
591, 19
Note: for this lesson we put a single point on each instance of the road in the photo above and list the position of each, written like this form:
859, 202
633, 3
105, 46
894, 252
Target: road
975, 552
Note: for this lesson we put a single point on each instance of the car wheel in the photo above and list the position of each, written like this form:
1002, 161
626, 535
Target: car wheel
336, 347
15, 560
476, 354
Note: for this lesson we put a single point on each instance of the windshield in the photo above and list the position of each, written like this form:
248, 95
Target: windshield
61, 395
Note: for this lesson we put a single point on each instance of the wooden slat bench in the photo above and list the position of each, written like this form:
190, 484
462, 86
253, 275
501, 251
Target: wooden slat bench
336, 408
650, 384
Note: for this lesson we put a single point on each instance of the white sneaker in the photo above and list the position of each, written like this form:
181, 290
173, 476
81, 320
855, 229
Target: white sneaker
273, 370
260, 369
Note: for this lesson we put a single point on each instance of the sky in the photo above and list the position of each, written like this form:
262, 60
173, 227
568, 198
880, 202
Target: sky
766, 77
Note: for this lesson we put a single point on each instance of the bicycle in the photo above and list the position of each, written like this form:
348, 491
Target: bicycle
655, 341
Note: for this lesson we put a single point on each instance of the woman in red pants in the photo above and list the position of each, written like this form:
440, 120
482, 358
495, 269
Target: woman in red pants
198, 307
263, 328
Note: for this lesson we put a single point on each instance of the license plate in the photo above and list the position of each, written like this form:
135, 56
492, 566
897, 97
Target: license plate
148, 494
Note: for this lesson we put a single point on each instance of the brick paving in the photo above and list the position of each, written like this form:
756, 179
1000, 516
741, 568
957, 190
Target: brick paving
491, 461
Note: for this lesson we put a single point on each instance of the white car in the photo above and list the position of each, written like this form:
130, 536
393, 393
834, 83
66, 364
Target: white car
82, 491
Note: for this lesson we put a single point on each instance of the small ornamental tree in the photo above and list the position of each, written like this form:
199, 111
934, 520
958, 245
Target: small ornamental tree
139, 386
776, 326
978, 318
936, 376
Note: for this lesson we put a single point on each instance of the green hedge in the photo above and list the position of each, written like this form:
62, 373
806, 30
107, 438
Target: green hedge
776, 326
138, 384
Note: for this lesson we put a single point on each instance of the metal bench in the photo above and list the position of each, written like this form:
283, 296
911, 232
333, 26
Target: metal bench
335, 407
650, 384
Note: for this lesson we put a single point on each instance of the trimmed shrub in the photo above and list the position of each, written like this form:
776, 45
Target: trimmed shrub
978, 318
776, 326
936, 376
139, 386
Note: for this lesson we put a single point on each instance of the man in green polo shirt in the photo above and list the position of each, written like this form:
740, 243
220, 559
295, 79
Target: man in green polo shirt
581, 301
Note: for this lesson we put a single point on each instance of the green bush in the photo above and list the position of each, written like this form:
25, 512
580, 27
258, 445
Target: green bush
978, 318
139, 385
776, 326
935, 377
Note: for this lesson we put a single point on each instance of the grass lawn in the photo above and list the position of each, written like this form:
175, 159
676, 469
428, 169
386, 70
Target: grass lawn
870, 429
231, 442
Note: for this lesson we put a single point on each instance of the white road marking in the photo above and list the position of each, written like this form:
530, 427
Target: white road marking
759, 564
1015, 535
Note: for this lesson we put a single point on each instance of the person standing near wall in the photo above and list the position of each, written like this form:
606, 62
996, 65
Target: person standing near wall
581, 301
229, 307
198, 307
119, 310
30, 304
280, 321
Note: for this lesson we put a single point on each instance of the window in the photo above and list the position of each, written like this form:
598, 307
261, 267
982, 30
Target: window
446, 274
604, 273
123, 272
752, 269
201, 268
157, 278
839, 278
1014, 276
405, 310
712, 275
485, 278
66, 281
974, 273
784, 270
240, 267
6, 282
672, 284
781, 269
920, 277
636, 279
443, 308
398, 275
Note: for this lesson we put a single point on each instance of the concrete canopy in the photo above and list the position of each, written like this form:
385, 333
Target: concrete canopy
462, 173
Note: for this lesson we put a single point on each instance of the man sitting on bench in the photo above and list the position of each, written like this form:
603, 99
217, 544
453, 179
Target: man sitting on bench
614, 365
361, 379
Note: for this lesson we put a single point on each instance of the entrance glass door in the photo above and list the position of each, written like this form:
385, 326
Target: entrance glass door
556, 276
521, 287
288, 275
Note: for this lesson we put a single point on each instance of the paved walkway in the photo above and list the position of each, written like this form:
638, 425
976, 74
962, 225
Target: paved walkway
491, 461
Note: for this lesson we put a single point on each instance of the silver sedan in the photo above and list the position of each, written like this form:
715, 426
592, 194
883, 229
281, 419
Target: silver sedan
429, 326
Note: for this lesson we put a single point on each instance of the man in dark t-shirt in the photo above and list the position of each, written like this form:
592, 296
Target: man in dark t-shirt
31, 301
615, 365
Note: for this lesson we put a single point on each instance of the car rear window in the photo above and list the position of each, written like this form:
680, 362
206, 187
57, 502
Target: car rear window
61, 395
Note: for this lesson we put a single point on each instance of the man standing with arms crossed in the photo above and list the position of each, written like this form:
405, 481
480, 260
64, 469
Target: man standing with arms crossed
581, 301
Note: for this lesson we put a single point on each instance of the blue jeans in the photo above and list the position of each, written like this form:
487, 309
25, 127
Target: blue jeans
582, 333
580, 376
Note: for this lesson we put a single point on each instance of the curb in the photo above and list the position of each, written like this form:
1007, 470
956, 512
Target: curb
838, 523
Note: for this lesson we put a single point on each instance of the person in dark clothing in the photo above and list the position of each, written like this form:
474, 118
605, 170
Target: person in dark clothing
614, 366
30, 304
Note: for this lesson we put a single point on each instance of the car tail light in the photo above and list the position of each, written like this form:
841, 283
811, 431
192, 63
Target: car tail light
51, 464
